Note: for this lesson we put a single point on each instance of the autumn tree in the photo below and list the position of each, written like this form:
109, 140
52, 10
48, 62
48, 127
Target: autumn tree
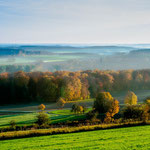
106, 104
42, 107
72, 89
102, 102
22, 87
84, 86
130, 98
61, 102
147, 100
77, 108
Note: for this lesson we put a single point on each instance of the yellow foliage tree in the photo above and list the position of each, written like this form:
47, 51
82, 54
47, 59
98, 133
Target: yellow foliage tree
114, 109
130, 98
106, 104
147, 100
80, 109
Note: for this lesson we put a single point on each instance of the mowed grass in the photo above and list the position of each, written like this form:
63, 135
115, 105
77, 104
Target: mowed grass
55, 116
21, 119
116, 139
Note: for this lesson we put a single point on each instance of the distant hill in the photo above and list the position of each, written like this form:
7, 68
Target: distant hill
139, 51
44, 49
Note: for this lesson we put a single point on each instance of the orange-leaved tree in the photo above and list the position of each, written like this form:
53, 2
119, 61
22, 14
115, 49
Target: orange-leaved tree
41, 107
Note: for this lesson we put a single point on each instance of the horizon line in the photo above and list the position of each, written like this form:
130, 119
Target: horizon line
25, 43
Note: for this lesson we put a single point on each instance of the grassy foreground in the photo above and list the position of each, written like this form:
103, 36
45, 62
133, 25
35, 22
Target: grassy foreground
123, 138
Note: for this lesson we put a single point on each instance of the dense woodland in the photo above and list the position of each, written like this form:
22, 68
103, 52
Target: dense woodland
21, 87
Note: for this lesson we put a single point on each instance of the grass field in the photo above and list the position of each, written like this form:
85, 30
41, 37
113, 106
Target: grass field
56, 116
131, 138
37, 58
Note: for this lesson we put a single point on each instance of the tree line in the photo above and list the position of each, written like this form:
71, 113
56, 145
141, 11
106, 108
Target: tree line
25, 87
15, 68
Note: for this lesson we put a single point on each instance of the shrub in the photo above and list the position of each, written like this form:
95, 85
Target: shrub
147, 100
134, 112
41, 107
52, 131
12, 124
77, 108
146, 115
84, 109
92, 115
42, 119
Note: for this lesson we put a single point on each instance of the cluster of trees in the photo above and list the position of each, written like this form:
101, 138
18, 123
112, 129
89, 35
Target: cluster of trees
78, 109
106, 107
21, 87
104, 110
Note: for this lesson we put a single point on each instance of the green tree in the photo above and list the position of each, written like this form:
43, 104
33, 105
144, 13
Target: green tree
103, 102
42, 119
12, 124
47, 89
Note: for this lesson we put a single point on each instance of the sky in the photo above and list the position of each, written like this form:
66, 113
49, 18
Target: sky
75, 21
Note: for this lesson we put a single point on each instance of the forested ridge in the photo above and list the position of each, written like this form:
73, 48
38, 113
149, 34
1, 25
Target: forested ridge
21, 87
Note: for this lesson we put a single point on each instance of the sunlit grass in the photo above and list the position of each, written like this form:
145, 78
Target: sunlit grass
55, 116
112, 139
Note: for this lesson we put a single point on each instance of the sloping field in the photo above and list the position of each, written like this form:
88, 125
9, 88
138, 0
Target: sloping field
142, 94
55, 116
120, 139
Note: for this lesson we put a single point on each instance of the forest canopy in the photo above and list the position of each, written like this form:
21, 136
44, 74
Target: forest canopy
21, 87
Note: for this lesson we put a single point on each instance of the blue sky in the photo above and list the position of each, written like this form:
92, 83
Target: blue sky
74, 21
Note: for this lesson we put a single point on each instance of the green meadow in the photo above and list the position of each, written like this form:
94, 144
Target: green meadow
55, 116
121, 139
36, 58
